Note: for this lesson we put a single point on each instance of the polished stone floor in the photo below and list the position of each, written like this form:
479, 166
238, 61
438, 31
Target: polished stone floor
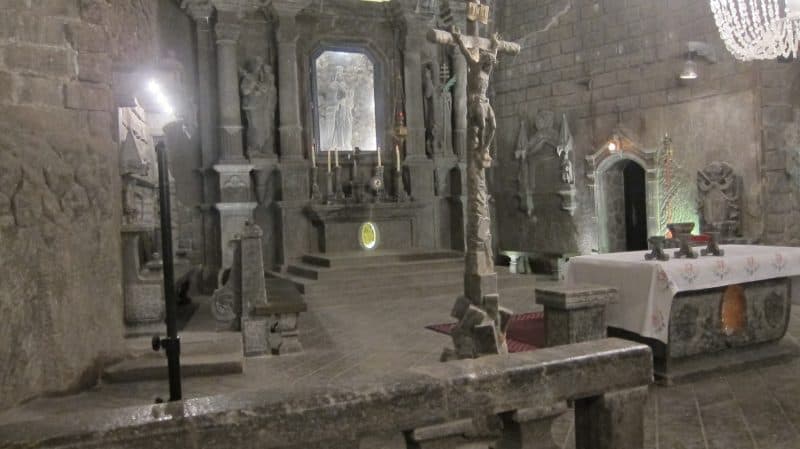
358, 339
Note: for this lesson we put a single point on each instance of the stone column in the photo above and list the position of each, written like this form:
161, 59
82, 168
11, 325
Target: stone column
573, 314
235, 205
420, 167
294, 169
201, 13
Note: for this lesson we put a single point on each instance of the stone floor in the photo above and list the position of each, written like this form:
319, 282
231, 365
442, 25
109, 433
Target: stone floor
359, 339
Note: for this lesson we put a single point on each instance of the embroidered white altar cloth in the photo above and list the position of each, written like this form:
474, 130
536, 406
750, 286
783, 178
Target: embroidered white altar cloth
646, 288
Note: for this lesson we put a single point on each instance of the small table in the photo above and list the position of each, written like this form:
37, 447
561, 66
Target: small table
689, 309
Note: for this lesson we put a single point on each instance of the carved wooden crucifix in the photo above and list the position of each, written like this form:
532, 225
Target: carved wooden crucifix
481, 55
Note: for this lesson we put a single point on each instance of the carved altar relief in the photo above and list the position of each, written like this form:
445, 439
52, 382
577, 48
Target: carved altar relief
719, 199
545, 137
344, 84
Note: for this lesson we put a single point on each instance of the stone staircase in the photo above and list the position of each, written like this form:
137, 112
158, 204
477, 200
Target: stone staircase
353, 276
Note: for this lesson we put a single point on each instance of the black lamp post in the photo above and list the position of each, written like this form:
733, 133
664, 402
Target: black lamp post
172, 343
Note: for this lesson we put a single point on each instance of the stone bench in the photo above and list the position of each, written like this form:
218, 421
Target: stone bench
504, 401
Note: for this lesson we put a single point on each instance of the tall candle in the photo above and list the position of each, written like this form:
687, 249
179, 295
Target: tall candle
329, 160
379, 157
313, 153
397, 153
336, 156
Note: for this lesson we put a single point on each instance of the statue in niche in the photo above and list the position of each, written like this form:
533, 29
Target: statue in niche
564, 151
446, 97
431, 95
259, 99
527, 148
719, 199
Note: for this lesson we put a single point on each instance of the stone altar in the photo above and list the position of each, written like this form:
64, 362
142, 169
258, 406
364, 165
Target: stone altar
699, 314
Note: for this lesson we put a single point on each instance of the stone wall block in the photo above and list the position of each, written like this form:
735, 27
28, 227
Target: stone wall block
94, 67
88, 96
95, 11
40, 91
7, 87
40, 60
87, 38
66, 8
37, 29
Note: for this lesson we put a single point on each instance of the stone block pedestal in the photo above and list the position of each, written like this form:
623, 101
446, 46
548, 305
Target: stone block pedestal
573, 314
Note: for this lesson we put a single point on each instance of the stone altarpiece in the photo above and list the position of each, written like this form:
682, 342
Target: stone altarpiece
257, 132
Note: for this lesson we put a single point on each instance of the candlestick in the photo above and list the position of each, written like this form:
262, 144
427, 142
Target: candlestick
397, 154
379, 157
329, 160
313, 153
336, 156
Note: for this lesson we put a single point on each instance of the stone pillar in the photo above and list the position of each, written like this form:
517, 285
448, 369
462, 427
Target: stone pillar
612, 421
201, 13
235, 206
573, 314
294, 169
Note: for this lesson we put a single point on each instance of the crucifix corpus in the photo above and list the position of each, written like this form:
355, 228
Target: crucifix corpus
482, 323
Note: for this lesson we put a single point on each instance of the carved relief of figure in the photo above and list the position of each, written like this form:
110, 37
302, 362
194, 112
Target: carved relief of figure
527, 148
719, 199
259, 99
341, 134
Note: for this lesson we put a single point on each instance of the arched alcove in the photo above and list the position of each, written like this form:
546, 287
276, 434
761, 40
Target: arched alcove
621, 175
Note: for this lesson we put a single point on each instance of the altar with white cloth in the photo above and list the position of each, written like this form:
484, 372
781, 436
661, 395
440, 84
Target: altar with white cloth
694, 307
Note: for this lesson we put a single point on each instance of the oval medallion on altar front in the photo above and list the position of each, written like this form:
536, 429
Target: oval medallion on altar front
368, 235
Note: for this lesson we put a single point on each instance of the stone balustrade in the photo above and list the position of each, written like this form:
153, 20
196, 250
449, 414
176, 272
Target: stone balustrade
505, 401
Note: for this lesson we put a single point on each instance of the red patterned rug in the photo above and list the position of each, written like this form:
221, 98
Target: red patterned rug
525, 331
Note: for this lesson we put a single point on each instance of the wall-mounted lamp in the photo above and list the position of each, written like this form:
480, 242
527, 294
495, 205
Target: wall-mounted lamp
689, 71
614, 144
694, 51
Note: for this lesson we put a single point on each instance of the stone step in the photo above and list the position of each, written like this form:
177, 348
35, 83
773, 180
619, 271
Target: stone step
449, 283
202, 354
401, 275
512, 295
373, 258
315, 272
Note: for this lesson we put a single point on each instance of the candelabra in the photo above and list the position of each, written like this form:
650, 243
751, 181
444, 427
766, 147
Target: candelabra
339, 196
315, 193
329, 193
399, 188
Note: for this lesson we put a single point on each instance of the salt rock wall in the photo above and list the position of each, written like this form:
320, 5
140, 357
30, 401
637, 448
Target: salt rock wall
60, 275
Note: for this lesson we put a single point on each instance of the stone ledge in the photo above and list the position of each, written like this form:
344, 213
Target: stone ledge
578, 296
424, 396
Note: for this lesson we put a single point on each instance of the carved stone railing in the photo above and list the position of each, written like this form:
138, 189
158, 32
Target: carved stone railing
502, 401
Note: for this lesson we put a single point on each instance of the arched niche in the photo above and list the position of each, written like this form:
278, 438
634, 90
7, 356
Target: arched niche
348, 96
600, 168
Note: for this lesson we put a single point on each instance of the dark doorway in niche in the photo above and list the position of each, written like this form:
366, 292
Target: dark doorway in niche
635, 207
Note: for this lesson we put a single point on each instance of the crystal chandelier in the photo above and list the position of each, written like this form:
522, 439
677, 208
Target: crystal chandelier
758, 29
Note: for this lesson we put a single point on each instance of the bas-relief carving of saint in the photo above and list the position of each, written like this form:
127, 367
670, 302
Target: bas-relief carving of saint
719, 199
527, 148
259, 99
566, 145
431, 95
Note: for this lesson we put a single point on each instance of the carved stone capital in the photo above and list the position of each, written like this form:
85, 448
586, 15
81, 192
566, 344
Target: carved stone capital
227, 33
199, 10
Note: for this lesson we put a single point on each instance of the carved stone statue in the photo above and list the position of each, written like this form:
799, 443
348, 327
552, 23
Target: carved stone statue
564, 150
527, 148
446, 83
431, 108
259, 99
719, 199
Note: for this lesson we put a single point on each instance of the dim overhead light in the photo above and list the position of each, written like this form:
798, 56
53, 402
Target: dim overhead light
160, 98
